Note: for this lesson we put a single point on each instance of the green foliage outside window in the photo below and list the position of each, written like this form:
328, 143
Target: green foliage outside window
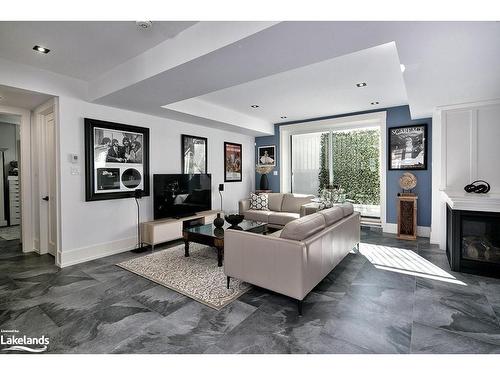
355, 157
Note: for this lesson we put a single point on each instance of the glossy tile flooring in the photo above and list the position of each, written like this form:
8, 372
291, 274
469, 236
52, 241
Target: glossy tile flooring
392, 297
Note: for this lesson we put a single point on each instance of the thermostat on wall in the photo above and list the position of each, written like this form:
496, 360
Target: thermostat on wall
74, 158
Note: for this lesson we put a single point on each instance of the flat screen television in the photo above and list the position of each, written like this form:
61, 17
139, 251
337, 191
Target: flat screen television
180, 195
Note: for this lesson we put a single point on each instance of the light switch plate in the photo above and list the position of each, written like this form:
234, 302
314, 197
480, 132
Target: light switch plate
275, 173
75, 171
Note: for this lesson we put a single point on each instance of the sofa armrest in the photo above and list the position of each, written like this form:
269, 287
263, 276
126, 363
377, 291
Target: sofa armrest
270, 262
309, 208
244, 205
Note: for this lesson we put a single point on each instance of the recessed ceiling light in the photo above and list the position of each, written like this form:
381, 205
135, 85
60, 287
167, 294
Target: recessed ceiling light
403, 67
254, 106
374, 103
361, 84
283, 117
41, 49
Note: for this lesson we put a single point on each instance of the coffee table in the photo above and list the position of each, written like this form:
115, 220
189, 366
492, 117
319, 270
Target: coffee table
209, 235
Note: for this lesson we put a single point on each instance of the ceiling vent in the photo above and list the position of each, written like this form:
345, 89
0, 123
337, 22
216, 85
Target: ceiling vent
143, 25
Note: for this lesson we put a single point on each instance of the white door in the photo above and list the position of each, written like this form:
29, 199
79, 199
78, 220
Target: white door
47, 186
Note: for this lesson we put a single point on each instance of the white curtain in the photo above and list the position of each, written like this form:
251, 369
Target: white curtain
306, 151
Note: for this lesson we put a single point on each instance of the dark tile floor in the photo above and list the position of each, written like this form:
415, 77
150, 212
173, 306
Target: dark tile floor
363, 306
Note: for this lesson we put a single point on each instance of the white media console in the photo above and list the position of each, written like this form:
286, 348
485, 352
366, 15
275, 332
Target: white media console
164, 230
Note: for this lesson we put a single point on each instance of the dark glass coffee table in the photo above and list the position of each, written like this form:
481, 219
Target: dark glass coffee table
209, 235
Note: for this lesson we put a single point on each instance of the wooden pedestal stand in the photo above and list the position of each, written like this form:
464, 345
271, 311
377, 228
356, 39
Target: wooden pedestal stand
407, 216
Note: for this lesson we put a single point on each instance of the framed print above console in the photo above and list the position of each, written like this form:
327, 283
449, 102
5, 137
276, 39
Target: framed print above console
232, 162
194, 154
267, 155
116, 160
408, 147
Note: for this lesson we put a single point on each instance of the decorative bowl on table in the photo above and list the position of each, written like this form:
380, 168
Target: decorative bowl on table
234, 219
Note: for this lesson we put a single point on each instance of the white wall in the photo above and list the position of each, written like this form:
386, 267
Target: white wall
466, 140
94, 229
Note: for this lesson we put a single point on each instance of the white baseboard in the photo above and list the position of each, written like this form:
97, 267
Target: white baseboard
393, 228
84, 254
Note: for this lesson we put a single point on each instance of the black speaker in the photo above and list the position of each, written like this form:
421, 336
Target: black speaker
138, 194
221, 187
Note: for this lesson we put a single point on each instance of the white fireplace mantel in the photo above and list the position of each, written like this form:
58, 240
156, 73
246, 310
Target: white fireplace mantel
472, 202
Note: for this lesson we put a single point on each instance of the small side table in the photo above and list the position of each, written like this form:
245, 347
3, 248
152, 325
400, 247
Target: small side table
407, 216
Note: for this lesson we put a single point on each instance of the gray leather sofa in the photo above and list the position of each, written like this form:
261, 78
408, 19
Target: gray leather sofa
283, 208
295, 259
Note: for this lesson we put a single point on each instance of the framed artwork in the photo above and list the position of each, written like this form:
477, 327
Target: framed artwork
232, 162
267, 155
194, 154
116, 160
408, 147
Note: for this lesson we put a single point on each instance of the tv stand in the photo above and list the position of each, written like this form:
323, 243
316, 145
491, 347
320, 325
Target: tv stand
182, 216
164, 230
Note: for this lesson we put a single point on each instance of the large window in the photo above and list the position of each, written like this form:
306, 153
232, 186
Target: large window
348, 160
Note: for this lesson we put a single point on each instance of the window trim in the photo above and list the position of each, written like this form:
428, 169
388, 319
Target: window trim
339, 123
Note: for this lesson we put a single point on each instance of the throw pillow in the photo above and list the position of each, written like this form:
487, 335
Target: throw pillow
259, 202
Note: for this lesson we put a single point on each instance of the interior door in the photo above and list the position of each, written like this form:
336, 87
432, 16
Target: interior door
47, 186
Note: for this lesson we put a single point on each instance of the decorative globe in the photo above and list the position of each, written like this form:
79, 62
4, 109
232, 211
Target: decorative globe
408, 181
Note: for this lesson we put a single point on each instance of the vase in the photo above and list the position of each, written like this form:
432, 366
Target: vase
264, 182
219, 222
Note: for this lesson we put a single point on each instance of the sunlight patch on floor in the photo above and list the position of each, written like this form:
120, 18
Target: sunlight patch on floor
404, 261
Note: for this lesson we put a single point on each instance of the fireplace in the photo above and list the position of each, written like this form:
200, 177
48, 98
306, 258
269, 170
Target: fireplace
473, 241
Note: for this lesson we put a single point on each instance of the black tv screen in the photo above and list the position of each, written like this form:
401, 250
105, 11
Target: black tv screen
179, 195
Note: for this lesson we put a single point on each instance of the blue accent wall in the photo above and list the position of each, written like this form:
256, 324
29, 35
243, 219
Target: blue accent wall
396, 116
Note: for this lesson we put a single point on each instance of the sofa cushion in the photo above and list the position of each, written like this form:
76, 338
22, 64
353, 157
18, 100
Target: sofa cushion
282, 218
293, 202
275, 200
304, 227
257, 215
276, 234
259, 202
332, 215
348, 208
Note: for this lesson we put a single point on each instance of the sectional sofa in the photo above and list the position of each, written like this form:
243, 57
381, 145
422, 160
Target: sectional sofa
294, 260
283, 208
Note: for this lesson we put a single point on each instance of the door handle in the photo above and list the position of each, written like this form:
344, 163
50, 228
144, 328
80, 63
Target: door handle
46, 198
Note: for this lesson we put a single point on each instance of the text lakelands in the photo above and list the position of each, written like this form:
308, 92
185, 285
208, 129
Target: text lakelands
24, 340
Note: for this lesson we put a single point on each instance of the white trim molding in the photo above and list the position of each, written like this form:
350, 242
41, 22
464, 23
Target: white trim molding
84, 254
373, 119
460, 159
393, 228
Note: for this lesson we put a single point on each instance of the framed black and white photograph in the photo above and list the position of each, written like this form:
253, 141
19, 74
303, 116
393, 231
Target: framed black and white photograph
267, 155
408, 147
116, 160
194, 154
232, 162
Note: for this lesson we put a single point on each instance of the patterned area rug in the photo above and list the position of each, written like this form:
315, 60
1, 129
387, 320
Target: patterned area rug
196, 276
10, 233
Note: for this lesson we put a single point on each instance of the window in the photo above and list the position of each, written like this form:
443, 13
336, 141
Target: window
347, 160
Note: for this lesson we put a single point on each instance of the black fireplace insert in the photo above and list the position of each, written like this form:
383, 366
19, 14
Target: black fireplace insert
473, 241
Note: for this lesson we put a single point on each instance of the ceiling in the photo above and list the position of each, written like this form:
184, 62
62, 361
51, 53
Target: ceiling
82, 49
316, 90
209, 73
14, 97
